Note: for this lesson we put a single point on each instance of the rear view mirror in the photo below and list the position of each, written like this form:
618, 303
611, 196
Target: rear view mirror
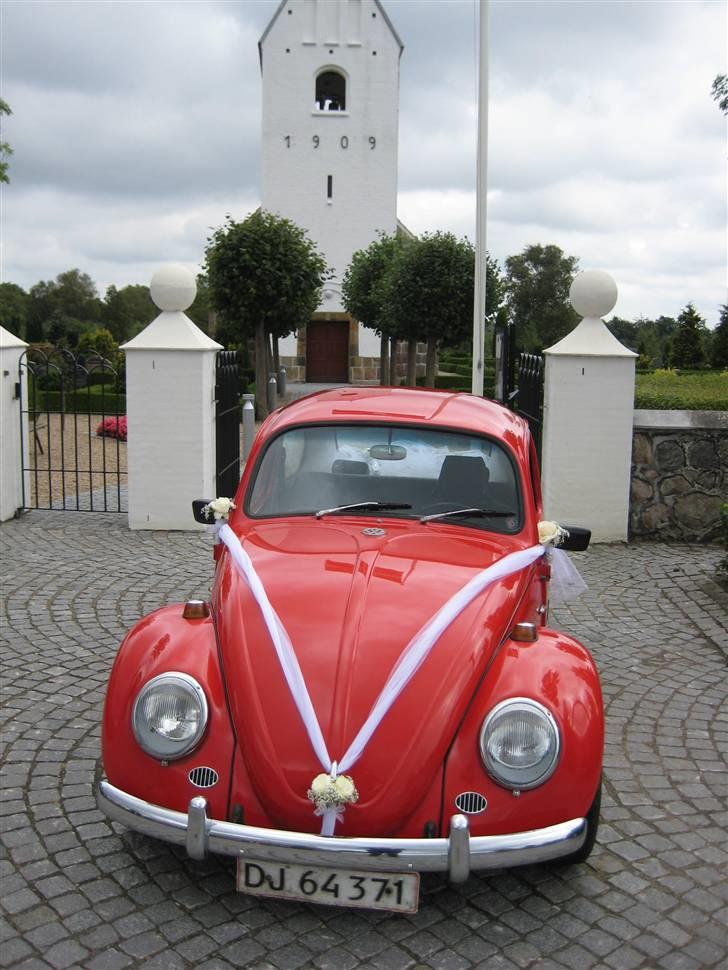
198, 504
388, 452
577, 540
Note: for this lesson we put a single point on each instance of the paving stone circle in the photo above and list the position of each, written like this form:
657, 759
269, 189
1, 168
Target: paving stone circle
79, 892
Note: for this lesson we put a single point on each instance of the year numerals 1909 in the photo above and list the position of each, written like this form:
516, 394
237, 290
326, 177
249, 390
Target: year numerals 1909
343, 141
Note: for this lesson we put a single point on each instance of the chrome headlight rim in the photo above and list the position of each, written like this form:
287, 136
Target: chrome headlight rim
172, 751
515, 779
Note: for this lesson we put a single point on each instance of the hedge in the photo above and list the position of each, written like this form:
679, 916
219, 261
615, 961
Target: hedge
671, 391
455, 382
89, 401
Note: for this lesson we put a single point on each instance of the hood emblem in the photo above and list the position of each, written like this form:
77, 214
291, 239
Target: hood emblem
373, 531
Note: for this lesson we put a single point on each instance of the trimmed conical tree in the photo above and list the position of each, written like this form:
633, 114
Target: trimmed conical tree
687, 344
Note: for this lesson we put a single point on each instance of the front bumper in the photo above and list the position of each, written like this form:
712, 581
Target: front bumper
457, 855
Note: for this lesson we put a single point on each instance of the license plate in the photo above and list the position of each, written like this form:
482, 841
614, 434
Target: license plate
396, 892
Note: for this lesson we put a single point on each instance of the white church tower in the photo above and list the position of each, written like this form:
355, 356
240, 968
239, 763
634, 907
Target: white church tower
329, 158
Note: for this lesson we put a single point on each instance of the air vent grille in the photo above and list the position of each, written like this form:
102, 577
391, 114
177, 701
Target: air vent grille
471, 802
203, 777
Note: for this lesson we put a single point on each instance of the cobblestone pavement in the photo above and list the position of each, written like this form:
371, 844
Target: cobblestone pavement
80, 892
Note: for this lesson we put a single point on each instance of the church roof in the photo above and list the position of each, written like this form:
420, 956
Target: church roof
283, 3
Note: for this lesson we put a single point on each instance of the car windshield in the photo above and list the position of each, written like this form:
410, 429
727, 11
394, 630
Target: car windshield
310, 470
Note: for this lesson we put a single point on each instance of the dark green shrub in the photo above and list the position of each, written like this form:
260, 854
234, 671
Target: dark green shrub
723, 564
91, 401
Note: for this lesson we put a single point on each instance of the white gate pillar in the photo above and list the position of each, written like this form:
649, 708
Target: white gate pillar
588, 415
11, 435
170, 406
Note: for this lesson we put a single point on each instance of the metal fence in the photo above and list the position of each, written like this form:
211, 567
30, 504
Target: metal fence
528, 397
74, 451
227, 423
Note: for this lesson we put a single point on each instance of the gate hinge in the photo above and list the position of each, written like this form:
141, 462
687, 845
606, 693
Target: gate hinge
17, 391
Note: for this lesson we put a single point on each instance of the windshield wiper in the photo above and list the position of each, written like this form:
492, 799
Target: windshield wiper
364, 506
477, 513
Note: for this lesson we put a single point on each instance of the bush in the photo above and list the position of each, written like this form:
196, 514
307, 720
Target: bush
456, 382
113, 428
89, 401
669, 390
723, 564
100, 377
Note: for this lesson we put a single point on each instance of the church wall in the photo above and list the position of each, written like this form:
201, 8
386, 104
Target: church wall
295, 168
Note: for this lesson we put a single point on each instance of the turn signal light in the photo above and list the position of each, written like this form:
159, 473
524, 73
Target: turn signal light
195, 610
524, 633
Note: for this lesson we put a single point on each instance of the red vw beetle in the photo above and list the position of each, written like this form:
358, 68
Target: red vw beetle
373, 690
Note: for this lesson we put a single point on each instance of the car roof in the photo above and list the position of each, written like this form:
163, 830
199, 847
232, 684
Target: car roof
404, 405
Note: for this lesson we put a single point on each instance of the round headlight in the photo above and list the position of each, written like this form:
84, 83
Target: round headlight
519, 743
169, 716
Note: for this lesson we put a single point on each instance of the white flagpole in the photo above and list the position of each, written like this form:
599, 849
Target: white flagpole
481, 207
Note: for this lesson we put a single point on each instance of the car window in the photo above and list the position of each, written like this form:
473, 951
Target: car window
305, 470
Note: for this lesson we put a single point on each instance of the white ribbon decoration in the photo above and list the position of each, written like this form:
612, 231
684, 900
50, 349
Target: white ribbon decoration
566, 581
409, 661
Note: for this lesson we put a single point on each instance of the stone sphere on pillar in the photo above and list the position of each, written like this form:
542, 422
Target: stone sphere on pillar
593, 293
173, 288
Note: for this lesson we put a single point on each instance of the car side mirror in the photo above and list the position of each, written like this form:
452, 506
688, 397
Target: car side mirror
198, 504
577, 540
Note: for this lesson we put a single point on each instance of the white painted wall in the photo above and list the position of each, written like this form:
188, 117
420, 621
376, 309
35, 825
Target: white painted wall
11, 468
587, 443
588, 416
170, 406
355, 37
370, 344
171, 435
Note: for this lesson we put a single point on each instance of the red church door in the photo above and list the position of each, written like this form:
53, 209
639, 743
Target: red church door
327, 351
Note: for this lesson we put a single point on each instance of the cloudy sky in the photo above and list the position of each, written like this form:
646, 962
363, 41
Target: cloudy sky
136, 128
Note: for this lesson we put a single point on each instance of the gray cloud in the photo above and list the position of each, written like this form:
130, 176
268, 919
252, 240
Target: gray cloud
136, 128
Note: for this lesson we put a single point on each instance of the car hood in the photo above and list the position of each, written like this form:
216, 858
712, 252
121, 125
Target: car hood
351, 602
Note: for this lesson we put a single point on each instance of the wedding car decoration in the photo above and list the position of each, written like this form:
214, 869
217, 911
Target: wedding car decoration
372, 689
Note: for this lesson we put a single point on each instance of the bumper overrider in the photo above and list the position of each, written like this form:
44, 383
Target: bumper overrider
457, 854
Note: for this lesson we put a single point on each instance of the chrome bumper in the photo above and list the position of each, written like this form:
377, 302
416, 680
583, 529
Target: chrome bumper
457, 855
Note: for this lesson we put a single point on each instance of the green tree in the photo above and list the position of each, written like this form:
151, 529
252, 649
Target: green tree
14, 307
719, 91
60, 310
626, 332
430, 294
100, 341
537, 284
5, 149
364, 290
687, 344
201, 312
265, 277
719, 348
128, 310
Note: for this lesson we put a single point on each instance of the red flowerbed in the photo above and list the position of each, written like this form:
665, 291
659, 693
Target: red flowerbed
113, 428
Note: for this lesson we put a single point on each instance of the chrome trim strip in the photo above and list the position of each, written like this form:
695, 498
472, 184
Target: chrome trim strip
456, 855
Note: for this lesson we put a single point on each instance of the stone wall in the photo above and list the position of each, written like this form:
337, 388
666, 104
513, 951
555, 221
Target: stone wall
679, 474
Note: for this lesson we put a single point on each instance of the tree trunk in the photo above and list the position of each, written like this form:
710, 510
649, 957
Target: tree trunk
393, 382
431, 366
261, 371
276, 357
412, 362
383, 360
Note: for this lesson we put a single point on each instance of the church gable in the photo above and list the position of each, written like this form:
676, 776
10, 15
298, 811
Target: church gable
347, 23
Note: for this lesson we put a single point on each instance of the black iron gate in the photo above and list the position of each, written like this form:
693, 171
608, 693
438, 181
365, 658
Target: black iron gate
227, 422
526, 398
73, 431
